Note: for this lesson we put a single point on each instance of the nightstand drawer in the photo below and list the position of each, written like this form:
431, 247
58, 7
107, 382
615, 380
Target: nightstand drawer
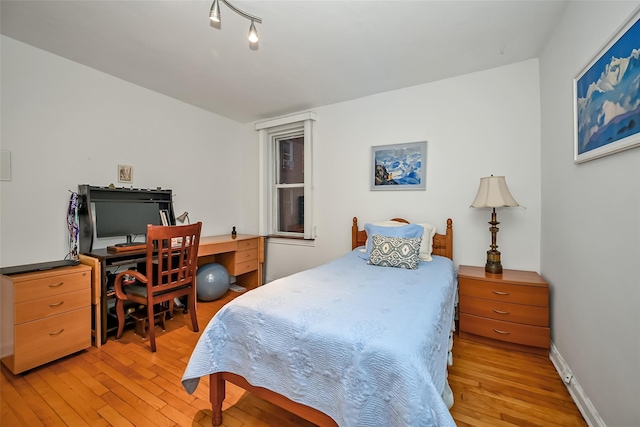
505, 292
516, 333
518, 313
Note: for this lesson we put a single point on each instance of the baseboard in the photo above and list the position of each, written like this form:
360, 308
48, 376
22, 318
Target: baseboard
583, 403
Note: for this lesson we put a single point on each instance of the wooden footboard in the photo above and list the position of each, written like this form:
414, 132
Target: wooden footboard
217, 394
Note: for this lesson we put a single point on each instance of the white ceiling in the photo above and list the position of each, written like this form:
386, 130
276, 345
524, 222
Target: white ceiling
310, 53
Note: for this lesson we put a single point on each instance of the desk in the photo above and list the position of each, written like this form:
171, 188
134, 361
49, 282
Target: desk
242, 256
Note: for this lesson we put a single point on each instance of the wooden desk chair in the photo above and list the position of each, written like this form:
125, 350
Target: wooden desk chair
172, 274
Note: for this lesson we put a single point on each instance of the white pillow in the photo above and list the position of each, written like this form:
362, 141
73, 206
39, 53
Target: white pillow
426, 247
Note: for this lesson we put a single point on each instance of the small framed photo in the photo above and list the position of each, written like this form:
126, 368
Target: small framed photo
399, 166
607, 97
125, 174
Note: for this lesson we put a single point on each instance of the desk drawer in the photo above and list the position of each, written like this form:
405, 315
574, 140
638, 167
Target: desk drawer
517, 313
52, 305
206, 249
50, 338
244, 256
247, 244
51, 285
505, 292
534, 336
245, 267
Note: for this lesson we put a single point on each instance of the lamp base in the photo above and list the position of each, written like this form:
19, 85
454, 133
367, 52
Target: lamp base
493, 265
493, 268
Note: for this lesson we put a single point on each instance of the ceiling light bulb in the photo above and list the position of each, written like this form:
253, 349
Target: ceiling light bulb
214, 14
253, 33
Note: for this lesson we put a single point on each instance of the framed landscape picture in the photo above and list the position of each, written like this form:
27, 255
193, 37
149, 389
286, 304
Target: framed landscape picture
399, 166
607, 97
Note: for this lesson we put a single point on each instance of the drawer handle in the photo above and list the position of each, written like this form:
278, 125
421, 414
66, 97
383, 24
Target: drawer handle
498, 331
57, 304
56, 285
56, 333
500, 311
500, 293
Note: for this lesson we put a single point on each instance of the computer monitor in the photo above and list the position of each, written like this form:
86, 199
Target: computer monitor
128, 218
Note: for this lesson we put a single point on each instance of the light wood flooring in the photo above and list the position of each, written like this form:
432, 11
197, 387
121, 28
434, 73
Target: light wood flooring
124, 384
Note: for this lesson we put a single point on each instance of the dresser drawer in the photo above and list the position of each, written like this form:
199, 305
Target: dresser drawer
50, 338
518, 313
52, 305
505, 292
51, 285
516, 333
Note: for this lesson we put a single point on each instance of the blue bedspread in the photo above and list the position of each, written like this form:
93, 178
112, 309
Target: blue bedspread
366, 345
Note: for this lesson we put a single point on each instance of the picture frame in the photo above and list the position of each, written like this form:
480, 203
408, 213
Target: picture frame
606, 101
399, 167
125, 174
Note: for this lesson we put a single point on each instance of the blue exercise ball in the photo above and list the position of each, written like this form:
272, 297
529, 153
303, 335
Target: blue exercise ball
212, 281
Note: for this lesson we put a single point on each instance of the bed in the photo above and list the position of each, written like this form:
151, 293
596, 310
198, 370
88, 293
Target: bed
345, 343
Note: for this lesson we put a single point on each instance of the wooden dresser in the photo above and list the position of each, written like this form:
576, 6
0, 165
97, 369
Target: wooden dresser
510, 310
45, 315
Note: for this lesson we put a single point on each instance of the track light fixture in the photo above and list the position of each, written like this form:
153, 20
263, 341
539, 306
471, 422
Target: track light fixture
214, 15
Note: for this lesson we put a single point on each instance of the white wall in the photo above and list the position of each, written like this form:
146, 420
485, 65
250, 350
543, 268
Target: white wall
66, 124
590, 228
476, 125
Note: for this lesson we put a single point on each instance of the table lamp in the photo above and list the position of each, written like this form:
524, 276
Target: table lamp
493, 193
183, 217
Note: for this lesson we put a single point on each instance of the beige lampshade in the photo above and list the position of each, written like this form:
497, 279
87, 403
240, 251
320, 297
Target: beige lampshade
493, 193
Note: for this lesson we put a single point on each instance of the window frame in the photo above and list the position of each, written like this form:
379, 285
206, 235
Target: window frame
270, 132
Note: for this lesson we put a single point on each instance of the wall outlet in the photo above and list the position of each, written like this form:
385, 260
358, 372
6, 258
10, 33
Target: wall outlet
567, 376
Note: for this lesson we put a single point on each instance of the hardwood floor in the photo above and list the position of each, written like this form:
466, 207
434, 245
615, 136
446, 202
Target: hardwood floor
124, 384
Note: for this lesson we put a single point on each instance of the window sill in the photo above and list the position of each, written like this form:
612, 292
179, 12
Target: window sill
290, 240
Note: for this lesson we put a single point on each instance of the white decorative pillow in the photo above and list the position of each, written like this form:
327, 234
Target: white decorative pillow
397, 252
426, 248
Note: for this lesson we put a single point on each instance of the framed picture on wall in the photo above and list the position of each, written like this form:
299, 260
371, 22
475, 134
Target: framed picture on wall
125, 174
607, 97
399, 166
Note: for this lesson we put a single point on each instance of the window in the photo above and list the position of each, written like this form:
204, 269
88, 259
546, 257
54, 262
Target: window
286, 191
289, 184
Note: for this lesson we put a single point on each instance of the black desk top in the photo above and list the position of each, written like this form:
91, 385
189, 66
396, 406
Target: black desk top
41, 266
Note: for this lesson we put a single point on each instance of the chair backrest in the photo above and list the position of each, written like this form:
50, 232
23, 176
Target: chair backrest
172, 255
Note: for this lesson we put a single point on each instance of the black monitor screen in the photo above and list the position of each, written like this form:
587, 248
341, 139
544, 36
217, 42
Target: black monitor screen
125, 218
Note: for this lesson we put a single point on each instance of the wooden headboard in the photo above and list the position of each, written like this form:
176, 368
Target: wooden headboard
442, 243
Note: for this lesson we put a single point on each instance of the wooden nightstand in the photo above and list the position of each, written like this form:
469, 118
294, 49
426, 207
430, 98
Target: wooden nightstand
509, 310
